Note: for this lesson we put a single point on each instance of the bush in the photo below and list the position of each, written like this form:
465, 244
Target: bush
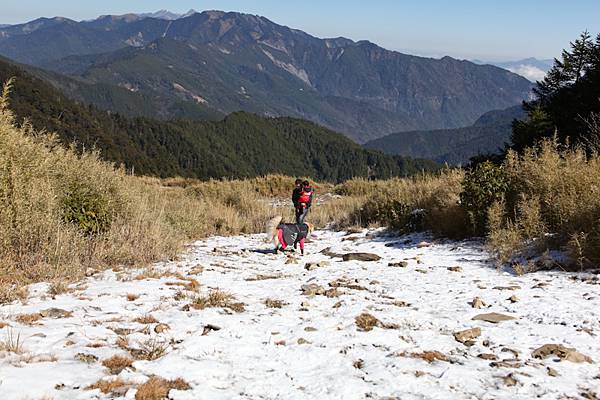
481, 188
89, 210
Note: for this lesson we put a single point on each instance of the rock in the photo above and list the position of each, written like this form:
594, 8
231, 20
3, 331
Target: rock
360, 257
513, 299
488, 356
512, 287
90, 272
467, 334
455, 269
506, 364
86, 358
312, 289
338, 304
400, 264
477, 303
552, 372
562, 352
333, 292
514, 352
291, 260
509, 380
310, 329
493, 317
303, 341
55, 313
358, 364
422, 271
304, 306
160, 328
314, 265
210, 327
423, 244
327, 252
366, 322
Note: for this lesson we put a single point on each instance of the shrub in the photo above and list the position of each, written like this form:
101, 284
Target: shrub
89, 210
481, 187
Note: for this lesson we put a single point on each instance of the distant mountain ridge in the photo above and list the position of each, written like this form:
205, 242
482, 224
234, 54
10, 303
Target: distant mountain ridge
487, 135
225, 62
241, 145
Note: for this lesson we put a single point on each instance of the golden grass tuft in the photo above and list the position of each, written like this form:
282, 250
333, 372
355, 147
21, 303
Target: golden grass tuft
117, 363
28, 319
218, 298
365, 322
146, 319
273, 303
116, 386
157, 388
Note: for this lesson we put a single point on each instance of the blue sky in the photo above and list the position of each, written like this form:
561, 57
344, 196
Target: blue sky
484, 29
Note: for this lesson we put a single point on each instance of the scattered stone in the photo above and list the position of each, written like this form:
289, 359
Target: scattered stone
509, 380
210, 327
338, 304
358, 364
333, 292
506, 364
514, 352
304, 306
400, 303
361, 257
366, 322
312, 289
303, 341
280, 343
314, 265
55, 313
488, 356
477, 303
423, 244
562, 352
399, 264
422, 271
513, 299
291, 260
512, 287
310, 329
419, 374
486, 343
429, 356
493, 317
552, 372
160, 328
327, 252
455, 269
467, 335
86, 358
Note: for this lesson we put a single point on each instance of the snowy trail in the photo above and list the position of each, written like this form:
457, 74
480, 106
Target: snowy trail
310, 348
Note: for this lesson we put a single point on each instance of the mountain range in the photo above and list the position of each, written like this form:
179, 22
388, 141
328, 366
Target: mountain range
454, 146
241, 145
210, 64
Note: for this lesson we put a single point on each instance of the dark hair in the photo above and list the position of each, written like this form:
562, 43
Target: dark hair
306, 183
298, 182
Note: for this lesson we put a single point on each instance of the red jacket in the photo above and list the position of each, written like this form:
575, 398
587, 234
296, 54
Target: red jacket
305, 198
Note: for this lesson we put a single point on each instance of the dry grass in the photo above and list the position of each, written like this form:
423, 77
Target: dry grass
190, 284
132, 296
553, 203
117, 363
157, 388
366, 322
429, 356
150, 350
272, 303
116, 386
28, 319
146, 319
218, 298
12, 343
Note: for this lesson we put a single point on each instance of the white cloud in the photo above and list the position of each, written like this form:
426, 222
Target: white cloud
528, 71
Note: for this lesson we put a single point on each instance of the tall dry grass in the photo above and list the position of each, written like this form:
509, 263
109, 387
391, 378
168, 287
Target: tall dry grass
553, 203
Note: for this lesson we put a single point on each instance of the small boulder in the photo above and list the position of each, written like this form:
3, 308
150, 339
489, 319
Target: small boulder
467, 335
493, 317
513, 299
477, 303
455, 269
488, 356
160, 328
562, 352
303, 341
55, 313
400, 264
365, 322
361, 257
312, 289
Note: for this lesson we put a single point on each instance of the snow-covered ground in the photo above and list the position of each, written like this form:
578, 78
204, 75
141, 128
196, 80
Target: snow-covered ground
311, 347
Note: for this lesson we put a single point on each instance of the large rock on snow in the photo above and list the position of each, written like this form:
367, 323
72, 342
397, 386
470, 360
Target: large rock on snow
361, 257
562, 352
493, 317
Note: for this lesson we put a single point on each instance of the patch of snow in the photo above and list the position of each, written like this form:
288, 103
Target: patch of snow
196, 97
310, 348
136, 40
